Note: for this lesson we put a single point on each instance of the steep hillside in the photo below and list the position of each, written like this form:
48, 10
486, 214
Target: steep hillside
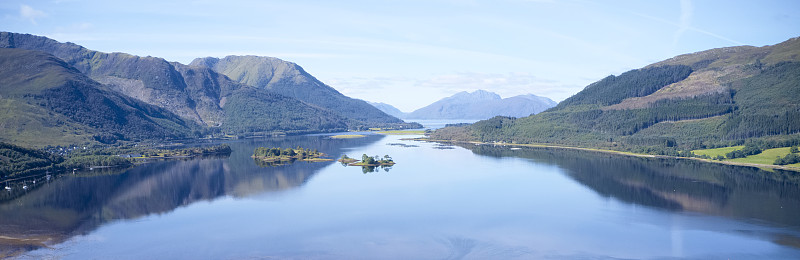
289, 79
482, 104
194, 93
706, 99
47, 102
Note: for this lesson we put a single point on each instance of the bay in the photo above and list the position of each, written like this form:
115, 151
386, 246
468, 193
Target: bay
437, 202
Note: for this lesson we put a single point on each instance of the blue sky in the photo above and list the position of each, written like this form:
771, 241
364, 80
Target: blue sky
410, 53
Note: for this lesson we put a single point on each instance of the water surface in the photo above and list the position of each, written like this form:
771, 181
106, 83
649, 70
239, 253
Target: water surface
470, 202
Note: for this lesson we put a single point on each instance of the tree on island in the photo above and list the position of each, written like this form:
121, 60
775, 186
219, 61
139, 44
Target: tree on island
367, 159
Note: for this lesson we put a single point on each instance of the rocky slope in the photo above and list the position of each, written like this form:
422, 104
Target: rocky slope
289, 79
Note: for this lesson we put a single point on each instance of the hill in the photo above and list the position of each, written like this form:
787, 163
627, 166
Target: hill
195, 93
714, 98
291, 80
47, 102
482, 104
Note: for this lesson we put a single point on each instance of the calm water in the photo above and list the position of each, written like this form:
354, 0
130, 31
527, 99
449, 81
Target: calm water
471, 202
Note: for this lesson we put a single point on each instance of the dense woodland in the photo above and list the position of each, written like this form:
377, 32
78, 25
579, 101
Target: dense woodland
16, 161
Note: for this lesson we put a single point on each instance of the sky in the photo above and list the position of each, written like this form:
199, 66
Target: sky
410, 53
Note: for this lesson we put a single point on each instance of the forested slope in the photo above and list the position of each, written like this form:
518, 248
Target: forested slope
706, 99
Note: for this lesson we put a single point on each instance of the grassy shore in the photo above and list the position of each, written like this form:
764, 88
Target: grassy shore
717, 151
766, 157
751, 163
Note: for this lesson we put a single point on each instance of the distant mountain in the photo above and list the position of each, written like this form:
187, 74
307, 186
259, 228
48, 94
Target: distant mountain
482, 104
201, 94
712, 98
48, 102
388, 109
289, 79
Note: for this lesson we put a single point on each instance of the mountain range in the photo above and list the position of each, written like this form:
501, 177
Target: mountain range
479, 104
714, 98
172, 99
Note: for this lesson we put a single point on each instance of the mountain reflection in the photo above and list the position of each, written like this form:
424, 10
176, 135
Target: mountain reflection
74, 205
675, 184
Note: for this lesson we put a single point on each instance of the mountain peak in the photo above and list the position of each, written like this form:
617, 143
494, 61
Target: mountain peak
289, 79
477, 95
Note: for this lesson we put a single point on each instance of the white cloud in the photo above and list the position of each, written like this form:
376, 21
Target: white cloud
30, 14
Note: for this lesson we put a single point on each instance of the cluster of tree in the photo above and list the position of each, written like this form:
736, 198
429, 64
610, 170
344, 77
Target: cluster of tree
298, 152
86, 161
372, 160
20, 161
788, 159
635, 83
744, 152
200, 150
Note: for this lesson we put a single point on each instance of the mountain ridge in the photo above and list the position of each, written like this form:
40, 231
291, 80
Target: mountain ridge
289, 79
481, 104
197, 93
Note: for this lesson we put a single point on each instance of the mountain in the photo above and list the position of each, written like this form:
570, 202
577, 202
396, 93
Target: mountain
713, 98
291, 80
388, 109
45, 101
202, 95
482, 104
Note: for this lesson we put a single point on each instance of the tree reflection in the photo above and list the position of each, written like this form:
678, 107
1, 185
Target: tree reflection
368, 169
674, 184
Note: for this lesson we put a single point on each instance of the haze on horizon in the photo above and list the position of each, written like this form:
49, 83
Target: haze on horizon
412, 53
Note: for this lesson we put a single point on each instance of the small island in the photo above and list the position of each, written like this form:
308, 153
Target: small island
367, 160
277, 156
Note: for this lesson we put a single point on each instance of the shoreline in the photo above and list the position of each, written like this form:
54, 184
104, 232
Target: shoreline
771, 166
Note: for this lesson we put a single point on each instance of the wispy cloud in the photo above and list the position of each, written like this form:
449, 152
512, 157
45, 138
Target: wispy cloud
684, 23
690, 28
29, 13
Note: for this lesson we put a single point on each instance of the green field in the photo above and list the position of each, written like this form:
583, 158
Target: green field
719, 151
767, 156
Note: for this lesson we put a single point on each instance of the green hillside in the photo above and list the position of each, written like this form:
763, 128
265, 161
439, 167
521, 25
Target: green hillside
715, 98
44, 101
